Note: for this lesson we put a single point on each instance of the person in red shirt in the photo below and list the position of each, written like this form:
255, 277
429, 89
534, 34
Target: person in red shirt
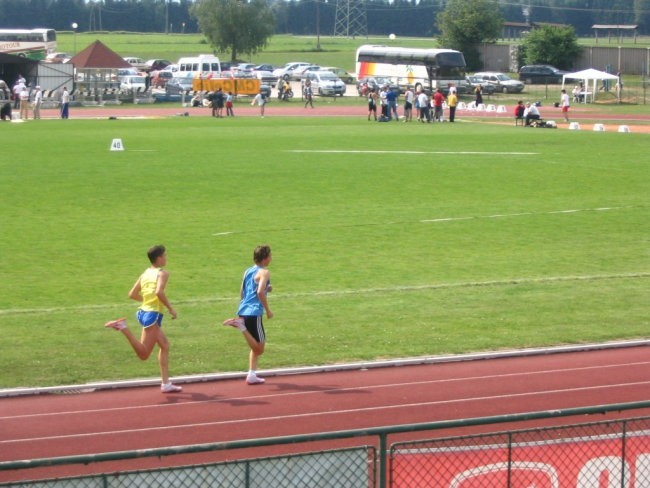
438, 99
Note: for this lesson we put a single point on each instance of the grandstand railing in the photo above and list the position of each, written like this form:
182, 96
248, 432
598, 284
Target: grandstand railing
607, 453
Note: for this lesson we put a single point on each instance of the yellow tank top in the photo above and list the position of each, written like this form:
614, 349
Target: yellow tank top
148, 282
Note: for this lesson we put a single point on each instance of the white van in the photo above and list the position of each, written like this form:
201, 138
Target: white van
203, 65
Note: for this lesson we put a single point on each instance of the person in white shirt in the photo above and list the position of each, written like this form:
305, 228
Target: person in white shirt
531, 113
36, 105
65, 103
564, 104
24, 103
423, 102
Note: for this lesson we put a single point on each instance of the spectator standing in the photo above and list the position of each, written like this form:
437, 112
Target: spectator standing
452, 101
5, 89
309, 94
438, 99
409, 98
372, 104
24, 103
478, 95
260, 100
564, 104
391, 100
219, 101
36, 105
423, 102
383, 101
18, 87
229, 111
65, 103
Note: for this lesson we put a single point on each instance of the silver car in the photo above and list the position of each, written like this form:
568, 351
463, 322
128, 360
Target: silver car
325, 83
502, 82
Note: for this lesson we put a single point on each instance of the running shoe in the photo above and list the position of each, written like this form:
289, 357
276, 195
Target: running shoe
118, 324
254, 380
237, 323
170, 388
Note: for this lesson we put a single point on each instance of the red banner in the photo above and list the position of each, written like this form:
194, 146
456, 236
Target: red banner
593, 462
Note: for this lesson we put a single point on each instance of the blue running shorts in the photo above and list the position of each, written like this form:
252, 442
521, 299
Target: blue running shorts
148, 319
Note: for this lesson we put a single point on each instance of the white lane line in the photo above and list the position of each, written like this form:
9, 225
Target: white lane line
436, 382
355, 291
363, 151
321, 414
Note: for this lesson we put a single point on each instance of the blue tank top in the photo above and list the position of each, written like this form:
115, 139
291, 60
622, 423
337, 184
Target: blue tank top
250, 304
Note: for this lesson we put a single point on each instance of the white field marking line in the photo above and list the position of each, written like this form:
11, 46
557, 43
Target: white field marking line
362, 151
440, 219
320, 414
522, 214
335, 390
357, 291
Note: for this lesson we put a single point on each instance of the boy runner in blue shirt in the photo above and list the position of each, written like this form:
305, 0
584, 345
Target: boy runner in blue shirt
256, 283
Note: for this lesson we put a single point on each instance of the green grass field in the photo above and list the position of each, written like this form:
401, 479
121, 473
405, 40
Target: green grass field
410, 240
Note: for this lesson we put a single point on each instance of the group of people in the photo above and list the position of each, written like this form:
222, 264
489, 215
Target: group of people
217, 100
426, 109
26, 98
530, 114
149, 290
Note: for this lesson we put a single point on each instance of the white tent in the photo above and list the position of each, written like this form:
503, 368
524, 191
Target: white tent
588, 76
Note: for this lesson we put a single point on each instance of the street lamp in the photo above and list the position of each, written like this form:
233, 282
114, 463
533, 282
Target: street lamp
74, 37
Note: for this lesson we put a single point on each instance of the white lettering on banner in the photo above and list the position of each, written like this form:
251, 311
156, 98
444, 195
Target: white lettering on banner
603, 469
539, 475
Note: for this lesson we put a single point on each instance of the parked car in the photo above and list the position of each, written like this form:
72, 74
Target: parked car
341, 73
541, 74
132, 83
287, 70
137, 63
502, 82
178, 84
300, 72
160, 78
325, 83
157, 64
57, 58
375, 83
486, 88
264, 67
265, 77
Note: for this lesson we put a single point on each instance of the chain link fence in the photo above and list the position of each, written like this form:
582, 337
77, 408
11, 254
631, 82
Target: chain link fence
605, 454
346, 468
598, 455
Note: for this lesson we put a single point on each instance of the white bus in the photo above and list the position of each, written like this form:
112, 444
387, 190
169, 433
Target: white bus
28, 43
202, 66
419, 68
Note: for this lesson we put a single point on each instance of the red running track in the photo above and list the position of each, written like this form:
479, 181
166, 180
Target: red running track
139, 418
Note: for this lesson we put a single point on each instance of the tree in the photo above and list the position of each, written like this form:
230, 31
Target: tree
642, 15
237, 26
555, 45
465, 24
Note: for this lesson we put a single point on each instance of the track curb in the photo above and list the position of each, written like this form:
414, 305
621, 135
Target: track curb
354, 366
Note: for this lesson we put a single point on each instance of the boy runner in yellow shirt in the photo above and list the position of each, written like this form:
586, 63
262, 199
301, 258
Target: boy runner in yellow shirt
150, 290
